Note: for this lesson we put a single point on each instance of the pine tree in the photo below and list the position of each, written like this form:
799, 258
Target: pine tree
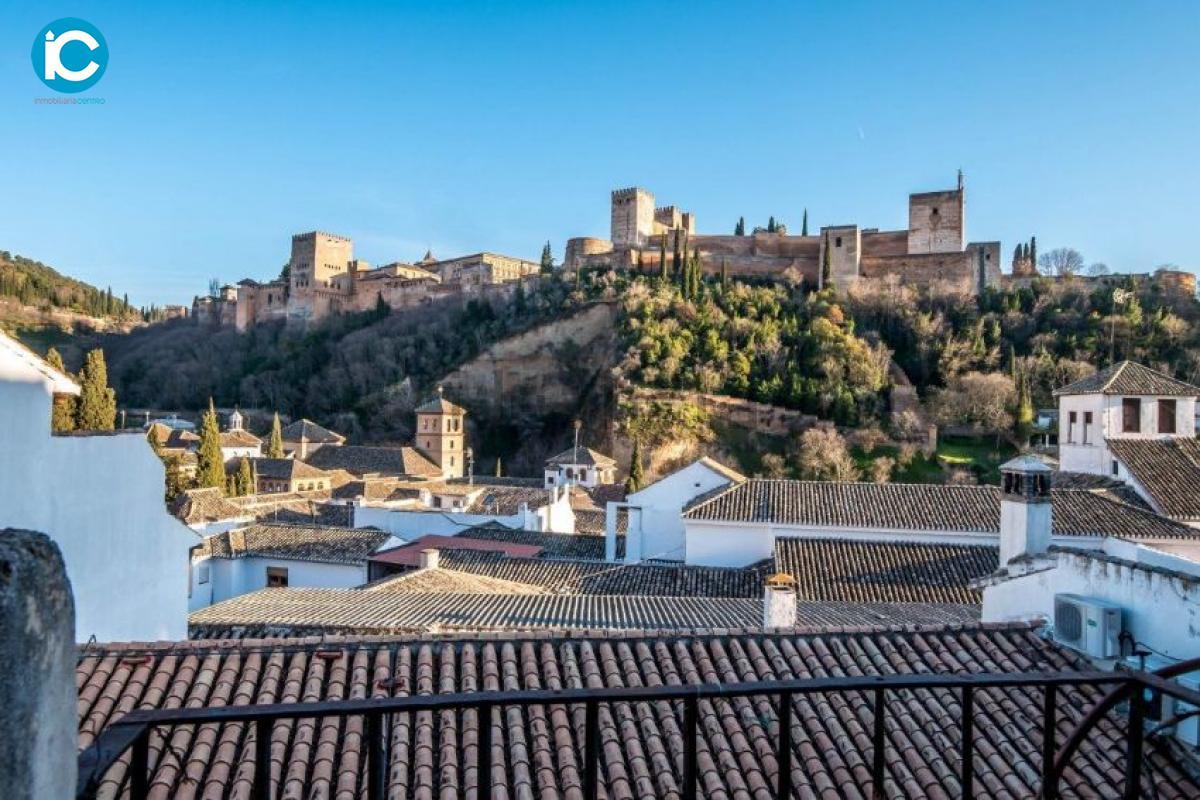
636, 477
275, 440
499, 468
245, 478
804, 224
96, 409
210, 466
547, 259
62, 412
740, 228
826, 265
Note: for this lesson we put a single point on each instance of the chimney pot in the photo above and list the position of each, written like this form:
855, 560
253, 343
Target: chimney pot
779, 601
429, 558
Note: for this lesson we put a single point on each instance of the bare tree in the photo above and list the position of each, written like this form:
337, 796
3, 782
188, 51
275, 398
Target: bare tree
1098, 269
1061, 261
824, 456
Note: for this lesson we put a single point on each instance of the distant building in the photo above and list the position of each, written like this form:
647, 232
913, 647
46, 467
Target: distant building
287, 475
304, 437
580, 465
98, 495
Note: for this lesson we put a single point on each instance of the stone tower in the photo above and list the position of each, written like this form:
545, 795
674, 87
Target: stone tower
318, 258
440, 434
1024, 509
632, 217
937, 221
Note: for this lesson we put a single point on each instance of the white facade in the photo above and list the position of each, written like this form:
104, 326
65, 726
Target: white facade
587, 475
100, 498
241, 451
655, 527
1087, 421
1159, 595
407, 523
217, 579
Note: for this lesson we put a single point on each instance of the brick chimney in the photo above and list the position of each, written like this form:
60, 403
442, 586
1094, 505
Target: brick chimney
429, 558
779, 601
1024, 509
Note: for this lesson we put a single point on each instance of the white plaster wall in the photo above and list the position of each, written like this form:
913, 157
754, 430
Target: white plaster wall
1074, 455
662, 531
1161, 611
231, 577
101, 499
414, 524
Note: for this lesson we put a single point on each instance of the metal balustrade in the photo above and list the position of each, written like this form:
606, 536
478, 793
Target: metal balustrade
132, 732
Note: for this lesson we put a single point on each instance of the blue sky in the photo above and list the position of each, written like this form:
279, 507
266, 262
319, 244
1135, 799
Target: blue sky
464, 126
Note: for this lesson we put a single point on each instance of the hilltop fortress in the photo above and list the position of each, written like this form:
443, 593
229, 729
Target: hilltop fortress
933, 249
323, 277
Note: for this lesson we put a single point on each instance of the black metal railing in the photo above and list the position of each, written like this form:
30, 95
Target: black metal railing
132, 732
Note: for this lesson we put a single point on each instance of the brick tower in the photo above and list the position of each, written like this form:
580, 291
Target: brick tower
440, 434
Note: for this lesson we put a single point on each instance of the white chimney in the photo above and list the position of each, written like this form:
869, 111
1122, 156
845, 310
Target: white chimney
779, 601
1024, 509
429, 558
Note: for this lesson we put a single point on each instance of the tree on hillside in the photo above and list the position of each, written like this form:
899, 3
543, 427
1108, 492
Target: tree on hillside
1061, 261
547, 259
1032, 254
637, 477
771, 225
1097, 269
676, 256
210, 466
804, 224
275, 440
245, 478
96, 409
62, 413
824, 456
881, 469
979, 400
662, 256
740, 228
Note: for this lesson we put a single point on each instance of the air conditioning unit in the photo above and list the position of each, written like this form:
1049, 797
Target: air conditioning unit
1088, 624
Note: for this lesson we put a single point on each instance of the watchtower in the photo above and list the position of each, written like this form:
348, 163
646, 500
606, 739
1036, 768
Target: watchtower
440, 434
632, 217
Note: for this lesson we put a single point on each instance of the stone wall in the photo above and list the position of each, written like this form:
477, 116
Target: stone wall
937, 222
760, 417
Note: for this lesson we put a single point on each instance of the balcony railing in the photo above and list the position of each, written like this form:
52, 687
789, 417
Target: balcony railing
132, 732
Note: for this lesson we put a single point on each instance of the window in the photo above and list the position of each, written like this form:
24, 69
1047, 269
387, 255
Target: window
202, 574
934, 213
1087, 423
277, 577
1072, 418
1114, 467
837, 242
1131, 415
1166, 416
452, 461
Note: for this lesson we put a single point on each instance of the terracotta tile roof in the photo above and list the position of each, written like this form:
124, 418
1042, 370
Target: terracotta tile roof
363, 460
919, 507
239, 438
305, 430
1129, 377
299, 508
302, 612
1168, 469
538, 752
181, 439
602, 577
286, 469
554, 545
322, 543
852, 571
585, 456
507, 500
439, 405
1102, 485
409, 555
195, 506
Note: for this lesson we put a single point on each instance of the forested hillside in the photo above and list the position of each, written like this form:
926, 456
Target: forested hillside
32, 283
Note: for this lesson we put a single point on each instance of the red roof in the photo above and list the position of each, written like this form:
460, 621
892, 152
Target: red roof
409, 555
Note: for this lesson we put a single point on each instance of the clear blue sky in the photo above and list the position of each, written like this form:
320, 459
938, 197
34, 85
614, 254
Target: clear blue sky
468, 126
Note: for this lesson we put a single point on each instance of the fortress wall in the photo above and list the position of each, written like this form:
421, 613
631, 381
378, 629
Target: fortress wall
885, 243
956, 269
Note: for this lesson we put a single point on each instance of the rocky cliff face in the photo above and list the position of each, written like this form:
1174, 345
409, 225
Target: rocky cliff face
554, 368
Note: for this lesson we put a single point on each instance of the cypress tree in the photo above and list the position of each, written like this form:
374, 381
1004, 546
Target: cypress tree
499, 468
804, 224
547, 259
676, 257
210, 467
662, 256
275, 440
245, 478
771, 225
636, 476
96, 409
740, 228
174, 481
62, 413
1033, 251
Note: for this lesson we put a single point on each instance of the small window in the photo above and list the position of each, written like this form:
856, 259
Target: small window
1131, 415
277, 577
1087, 423
934, 213
202, 575
837, 242
1072, 418
1114, 467
1166, 416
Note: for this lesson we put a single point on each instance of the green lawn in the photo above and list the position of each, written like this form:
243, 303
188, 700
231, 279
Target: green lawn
977, 454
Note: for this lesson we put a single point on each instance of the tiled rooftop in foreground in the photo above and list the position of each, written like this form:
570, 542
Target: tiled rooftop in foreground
537, 751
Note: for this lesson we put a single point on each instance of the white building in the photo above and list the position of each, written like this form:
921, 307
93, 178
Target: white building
581, 466
441, 508
267, 555
654, 524
99, 496
1137, 425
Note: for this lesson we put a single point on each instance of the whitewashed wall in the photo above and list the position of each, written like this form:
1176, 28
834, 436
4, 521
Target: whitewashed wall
101, 499
230, 577
661, 504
